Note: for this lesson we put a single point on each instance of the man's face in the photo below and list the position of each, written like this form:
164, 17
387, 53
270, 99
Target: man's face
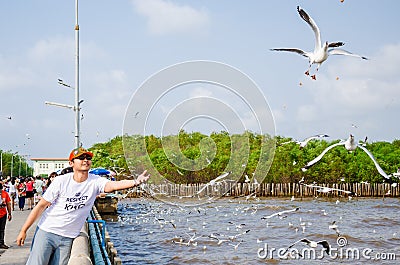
82, 162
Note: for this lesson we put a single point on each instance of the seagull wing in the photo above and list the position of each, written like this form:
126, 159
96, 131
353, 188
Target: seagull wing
315, 137
313, 25
301, 240
270, 216
315, 160
326, 246
292, 210
335, 44
314, 186
212, 182
203, 188
380, 170
344, 191
344, 52
222, 176
296, 50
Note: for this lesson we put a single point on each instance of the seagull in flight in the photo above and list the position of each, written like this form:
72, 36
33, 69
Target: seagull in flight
321, 51
313, 244
334, 227
303, 143
350, 146
328, 189
213, 182
281, 213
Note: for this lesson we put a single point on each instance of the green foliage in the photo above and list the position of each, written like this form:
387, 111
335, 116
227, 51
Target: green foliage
195, 157
18, 164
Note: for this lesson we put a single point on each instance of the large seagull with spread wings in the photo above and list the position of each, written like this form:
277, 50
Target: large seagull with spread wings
350, 146
321, 51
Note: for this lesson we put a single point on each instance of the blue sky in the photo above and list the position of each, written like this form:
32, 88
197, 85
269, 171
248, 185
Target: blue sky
123, 43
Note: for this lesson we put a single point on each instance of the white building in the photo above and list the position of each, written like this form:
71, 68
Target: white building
44, 166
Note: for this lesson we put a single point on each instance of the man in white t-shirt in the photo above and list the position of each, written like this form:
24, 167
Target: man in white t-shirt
64, 208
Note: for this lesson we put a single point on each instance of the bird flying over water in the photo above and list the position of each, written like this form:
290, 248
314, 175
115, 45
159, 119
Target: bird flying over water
328, 189
313, 244
280, 213
321, 51
213, 182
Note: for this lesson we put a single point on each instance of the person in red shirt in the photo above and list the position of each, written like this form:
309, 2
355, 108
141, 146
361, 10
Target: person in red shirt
29, 191
5, 213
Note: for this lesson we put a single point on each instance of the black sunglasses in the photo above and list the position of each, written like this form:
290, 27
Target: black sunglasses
83, 157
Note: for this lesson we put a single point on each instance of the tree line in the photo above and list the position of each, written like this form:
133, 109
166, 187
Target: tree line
188, 158
13, 162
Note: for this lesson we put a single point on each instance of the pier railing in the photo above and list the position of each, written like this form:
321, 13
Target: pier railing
269, 190
102, 249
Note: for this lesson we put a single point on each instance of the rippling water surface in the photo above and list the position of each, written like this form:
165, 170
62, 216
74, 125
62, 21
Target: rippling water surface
232, 231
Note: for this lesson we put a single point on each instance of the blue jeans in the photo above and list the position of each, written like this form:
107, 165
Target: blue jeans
49, 249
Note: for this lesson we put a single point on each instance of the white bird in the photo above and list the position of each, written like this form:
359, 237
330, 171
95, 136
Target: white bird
303, 143
280, 213
247, 179
321, 52
212, 182
328, 189
334, 227
313, 244
350, 146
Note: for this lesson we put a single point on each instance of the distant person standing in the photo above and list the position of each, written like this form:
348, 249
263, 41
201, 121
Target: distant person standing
12, 191
5, 214
38, 187
21, 189
29, 191
64, 207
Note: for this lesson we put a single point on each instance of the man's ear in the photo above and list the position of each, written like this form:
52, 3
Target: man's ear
71, 163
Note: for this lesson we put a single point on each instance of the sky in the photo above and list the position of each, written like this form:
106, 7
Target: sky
126, 44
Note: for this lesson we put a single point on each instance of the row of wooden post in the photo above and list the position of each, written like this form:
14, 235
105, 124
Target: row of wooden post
270, 190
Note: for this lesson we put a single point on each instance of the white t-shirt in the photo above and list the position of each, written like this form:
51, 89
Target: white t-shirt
38, 186
71, 203
12, 188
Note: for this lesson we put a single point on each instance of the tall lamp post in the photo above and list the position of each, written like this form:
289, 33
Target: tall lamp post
77, 109
12, 163
78, 102
1, 164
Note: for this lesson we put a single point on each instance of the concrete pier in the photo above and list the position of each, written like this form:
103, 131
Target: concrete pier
16, 255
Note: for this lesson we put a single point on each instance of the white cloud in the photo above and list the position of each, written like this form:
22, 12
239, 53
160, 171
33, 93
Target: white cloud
361, 85
166, 17
200, 92
57, 47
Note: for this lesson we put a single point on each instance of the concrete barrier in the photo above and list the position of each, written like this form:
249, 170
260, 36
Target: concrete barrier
80, 251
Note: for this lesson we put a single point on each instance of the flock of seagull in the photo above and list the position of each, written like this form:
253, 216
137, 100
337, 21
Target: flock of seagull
194, 235
189, 226
236, 225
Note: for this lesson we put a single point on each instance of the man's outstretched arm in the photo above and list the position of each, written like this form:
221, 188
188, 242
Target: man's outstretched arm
35, 213
126, 183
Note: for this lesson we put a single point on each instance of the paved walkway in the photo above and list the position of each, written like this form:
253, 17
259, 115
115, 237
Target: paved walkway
16, 255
